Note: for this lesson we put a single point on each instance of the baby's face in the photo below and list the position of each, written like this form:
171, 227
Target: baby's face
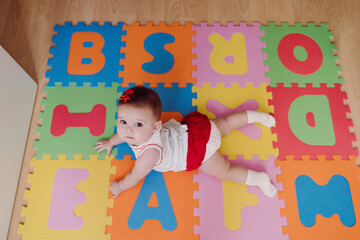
136, 125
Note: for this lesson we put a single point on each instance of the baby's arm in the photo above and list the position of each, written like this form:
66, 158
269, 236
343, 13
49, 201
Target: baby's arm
143, 166
108, 145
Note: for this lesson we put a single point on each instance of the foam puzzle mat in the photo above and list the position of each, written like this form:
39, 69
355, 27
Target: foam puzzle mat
291, 72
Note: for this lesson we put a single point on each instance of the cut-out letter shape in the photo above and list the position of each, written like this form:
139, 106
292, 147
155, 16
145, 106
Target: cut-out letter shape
94, 120
322, 134
65, 197
154, 183
236, 197
85, 55
163, 60
228, 57
286, 54
153, 201
332, 198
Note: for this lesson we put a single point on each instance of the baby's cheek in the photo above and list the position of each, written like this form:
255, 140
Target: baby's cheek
118, 130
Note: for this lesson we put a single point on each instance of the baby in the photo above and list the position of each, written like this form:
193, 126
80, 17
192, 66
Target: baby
175, 146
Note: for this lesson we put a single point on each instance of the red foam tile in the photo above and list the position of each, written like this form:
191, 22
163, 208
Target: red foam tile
289, 144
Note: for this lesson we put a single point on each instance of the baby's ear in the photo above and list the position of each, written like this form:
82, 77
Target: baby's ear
157, 125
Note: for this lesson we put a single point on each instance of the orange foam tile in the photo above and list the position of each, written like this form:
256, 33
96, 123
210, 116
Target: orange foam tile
136, 55
320, 171
180, 187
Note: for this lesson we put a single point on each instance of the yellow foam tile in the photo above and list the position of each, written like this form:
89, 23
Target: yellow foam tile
93, 211
237, 143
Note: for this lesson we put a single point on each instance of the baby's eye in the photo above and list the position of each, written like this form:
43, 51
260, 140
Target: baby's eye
122, 122
139, 124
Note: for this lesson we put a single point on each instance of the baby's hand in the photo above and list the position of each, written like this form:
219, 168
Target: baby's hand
115, 189
104, 145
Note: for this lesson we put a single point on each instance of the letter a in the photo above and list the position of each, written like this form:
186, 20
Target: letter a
154, 183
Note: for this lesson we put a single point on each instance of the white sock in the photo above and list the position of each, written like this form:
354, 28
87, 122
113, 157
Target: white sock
260, 117
261, 180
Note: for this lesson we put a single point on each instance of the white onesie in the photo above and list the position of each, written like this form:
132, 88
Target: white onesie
172, 142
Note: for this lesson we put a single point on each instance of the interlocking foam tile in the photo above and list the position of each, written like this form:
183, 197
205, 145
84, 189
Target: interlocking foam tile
312, 121
158, 54
300, 54
76, 138
322, 173
230, 99
176, 103
229, 54
135, 217
234, 211
38, 223
86, 54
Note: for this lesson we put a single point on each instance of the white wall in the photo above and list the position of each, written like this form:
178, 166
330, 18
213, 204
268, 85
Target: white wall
17, 95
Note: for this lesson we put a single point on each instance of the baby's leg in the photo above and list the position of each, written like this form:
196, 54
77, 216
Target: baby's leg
235, 120
221, 168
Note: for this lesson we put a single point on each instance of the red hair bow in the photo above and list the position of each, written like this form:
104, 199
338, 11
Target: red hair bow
126, 95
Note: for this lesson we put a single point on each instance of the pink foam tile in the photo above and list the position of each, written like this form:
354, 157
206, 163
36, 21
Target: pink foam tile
253, 44
259, 222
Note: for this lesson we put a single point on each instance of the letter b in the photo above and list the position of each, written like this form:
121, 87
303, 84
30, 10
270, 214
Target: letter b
85, 56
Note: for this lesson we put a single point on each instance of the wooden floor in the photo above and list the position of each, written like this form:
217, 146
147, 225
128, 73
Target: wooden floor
26, 28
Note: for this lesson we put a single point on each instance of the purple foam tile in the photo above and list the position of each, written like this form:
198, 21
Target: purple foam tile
206, 74
265, 215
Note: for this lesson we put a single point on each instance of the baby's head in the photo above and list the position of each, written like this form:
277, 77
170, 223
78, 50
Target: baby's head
139, 112
142, 97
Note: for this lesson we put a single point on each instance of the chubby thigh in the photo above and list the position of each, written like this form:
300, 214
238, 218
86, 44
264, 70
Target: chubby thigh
219, 167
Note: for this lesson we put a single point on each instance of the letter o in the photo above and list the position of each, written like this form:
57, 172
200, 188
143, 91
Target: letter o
286, 54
